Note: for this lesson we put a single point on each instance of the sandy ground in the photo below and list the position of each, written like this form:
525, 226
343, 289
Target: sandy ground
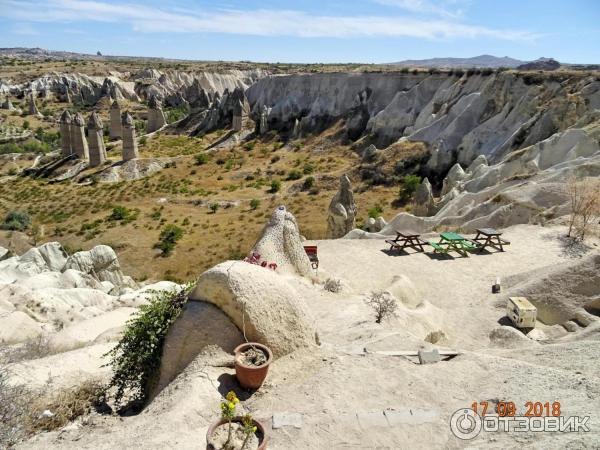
342, 392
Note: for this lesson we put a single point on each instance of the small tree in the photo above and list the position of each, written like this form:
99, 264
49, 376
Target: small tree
408, 186
168, 238
254, 203
275, 186
383, 304
214, 207
584, 202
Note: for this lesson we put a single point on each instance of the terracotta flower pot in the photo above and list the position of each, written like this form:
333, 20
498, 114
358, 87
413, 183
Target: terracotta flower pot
251, 377
260, 432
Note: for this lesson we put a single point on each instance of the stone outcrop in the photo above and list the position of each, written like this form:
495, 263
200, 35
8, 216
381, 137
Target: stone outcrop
97, 150
238, 116
260, 302
424, 204
102, 263
263, 122
280, 243
65, 134
79, 143
32, 107
455, 176
341, 214
375, 225
115, 120
156, 117
7, 104
130, 146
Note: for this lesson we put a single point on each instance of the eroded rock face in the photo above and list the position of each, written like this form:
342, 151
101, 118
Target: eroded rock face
424, 204
79, 143
342, 211
280, 243
101, 262
455, 176
115, 120
97, 150
260, 302
130, 146
156, 117
65, 133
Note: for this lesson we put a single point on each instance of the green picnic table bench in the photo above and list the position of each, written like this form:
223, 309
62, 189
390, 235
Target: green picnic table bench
450, 241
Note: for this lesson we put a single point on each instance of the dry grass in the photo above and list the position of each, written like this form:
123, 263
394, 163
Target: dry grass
21, 408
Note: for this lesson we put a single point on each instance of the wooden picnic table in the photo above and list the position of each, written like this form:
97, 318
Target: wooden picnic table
407, 240
489, 237
452, 241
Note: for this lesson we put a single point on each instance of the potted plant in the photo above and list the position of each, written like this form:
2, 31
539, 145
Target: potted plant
233, 432
252, 362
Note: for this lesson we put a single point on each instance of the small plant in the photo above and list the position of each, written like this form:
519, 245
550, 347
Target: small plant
408, 186
135, 360
201, 159
254, 204
168, 238
308, 183
26, 124
228, 413
16, 221
294, 175
248, 428
275, 186
143, 140
383, 304
333, 285
214, 207
584, 202
308, 169
375, 212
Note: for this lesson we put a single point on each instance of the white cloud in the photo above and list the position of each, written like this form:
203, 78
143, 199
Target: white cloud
24, 29
439, 8
259, 22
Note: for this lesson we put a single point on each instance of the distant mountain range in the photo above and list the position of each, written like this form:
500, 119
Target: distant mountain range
464, 63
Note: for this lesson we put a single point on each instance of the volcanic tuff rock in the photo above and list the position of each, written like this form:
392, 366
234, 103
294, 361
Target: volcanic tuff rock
342, 210
130, 146
460, 116
97, 151
280, 243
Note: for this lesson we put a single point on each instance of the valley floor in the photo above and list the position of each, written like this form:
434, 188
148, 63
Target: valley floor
341, 391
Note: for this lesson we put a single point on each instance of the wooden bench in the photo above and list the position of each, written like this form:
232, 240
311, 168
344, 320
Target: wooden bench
311, 252
406, 240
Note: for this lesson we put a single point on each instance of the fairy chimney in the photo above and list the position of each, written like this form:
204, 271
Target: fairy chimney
342, 211
33, 111
238, 116
97, 150
65, 133
130, 148
79, 145
156, 117
115, 120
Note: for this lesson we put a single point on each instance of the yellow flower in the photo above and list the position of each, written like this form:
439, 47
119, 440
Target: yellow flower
231, 406
254, 429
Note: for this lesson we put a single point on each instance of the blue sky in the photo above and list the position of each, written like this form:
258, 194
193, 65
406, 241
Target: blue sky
370, 31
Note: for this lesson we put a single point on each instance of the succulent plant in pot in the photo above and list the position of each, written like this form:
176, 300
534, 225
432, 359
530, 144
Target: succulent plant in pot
252, 362
233, 432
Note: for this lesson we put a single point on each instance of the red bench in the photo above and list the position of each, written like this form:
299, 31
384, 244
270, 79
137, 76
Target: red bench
311, 252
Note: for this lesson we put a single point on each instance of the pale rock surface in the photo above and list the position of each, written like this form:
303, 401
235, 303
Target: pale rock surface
65, 133
260, 302
424, 204
508, 337
101, 262
115, 120
97, 150
156, 117
280, 243
342, 211
456, 175
17, 327
130, 146
79, 143
33, 111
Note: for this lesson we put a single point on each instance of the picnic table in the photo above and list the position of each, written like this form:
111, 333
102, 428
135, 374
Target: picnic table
452, 241
489, 237
407, 240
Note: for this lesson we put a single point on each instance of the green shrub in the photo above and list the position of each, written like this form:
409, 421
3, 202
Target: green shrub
275, 186
135, 360
176, 114
143, 140
308, 183
294, 175
16, 221
214, 207
254, 203
375, 212
168, 238
408, 186
26, 124
201, 159
123, 214
308, 169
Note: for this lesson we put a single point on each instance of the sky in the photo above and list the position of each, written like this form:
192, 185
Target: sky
308, 31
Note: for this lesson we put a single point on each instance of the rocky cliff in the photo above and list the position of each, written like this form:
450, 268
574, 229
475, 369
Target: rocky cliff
460, 115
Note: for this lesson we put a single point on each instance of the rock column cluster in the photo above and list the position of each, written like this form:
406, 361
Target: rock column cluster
342, 211
33, 111
97, 151
156, 117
